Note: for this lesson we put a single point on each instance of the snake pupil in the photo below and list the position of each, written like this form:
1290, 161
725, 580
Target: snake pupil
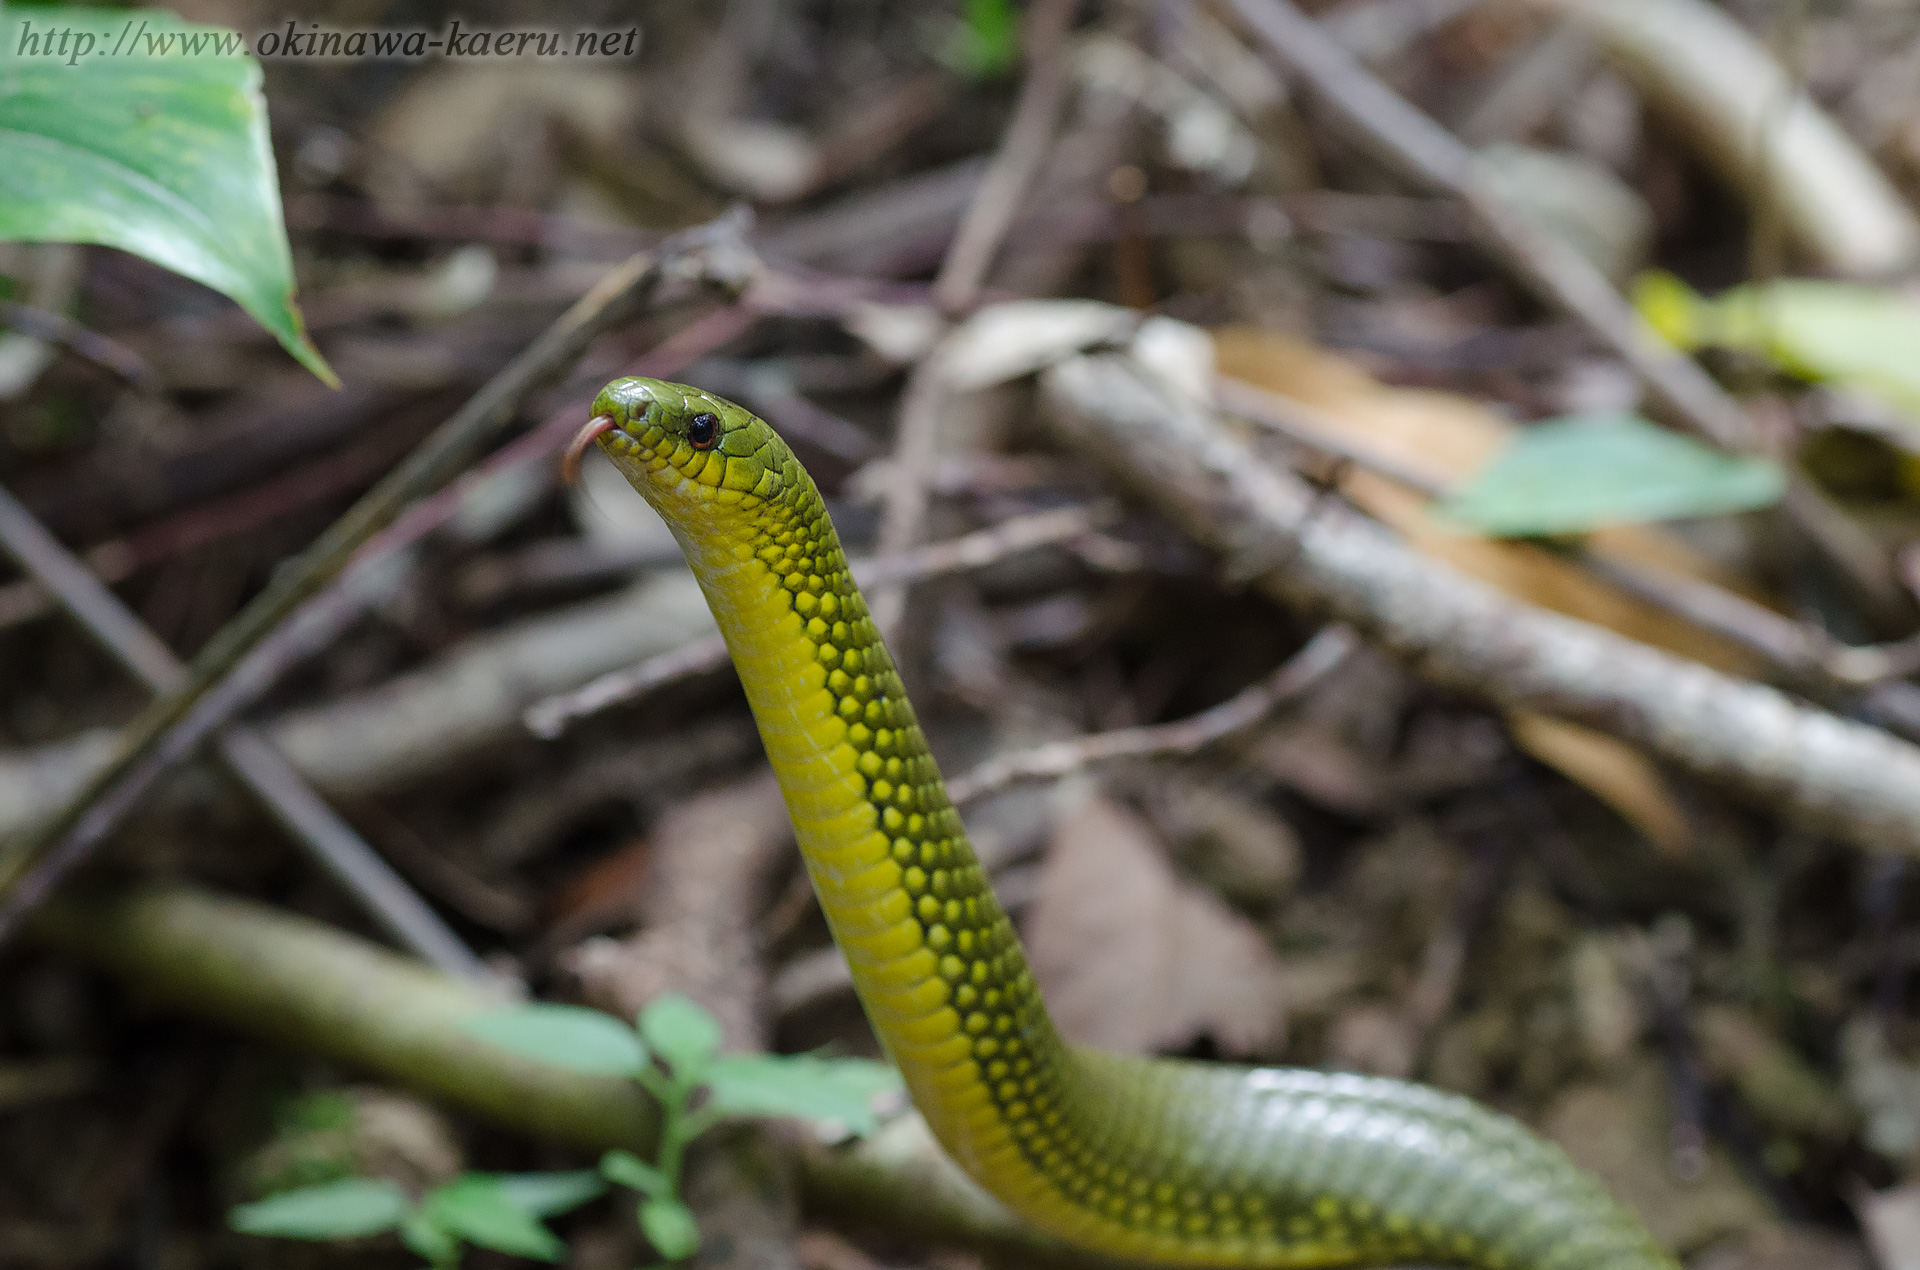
703, 430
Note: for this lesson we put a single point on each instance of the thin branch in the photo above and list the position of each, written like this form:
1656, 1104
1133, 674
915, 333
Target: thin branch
1855, 781
225, 678
120, 558
1322, 654
261, 768
550, 717
99, 349
1017, 161
989, 215
1403, 137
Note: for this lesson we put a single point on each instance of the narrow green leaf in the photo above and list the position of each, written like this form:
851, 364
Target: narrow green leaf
628, 1169
680, 1032
351, 1208
550, 1194
568, 1036
476, 1208
989, 41
669, 1227
1575, 474
837, 1090
149, 134
429, 1240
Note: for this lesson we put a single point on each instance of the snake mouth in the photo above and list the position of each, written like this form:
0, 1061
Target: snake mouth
595, 428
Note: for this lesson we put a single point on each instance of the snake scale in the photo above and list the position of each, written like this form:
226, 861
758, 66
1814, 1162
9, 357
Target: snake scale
1164, 1161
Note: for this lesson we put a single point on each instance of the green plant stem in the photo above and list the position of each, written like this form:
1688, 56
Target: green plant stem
306, 986
309, 987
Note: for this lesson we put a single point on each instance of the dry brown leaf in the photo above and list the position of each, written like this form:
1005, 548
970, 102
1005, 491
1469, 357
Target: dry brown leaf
1619, 775
1619, 1131
1133, 958
1447, 437
710, 861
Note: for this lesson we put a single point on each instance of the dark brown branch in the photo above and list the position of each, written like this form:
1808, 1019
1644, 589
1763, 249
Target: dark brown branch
253, 759
223, 680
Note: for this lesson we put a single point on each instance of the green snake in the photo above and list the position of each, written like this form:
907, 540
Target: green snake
1155, 1160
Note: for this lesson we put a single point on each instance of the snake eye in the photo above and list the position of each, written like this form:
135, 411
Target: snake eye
703, 430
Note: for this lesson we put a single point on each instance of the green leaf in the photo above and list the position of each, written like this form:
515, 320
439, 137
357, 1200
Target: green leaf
989, 41
1575, 474
680, 1032
669, 1227
549, 1194
351, 1208
628, 1169
153, 140
1862, 338
429, 1240
839, 1090
568, 1036
476, 1208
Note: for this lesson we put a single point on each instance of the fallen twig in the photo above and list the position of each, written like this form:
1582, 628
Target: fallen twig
1857, 782
95, 347
1305, 668
989, 214
328, 838
997, 199
451, 710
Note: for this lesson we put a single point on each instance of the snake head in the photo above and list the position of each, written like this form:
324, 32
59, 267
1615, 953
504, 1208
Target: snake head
689, 452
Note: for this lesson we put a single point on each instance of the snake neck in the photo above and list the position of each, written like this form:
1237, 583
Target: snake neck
935, 960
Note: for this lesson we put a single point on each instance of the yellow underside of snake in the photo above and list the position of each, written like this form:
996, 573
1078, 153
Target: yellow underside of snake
1179, 1163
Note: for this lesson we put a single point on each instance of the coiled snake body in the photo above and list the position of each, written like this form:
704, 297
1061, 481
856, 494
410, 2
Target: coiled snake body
1154, 1160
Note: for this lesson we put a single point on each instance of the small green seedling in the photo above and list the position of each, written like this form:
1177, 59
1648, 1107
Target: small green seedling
985, 42
501, 1211
674, 1054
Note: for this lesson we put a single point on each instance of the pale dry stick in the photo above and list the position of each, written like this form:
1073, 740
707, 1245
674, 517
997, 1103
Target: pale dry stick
1407, 140
551, 716
1854, 781
989, 214
1313, 663
1017, 161
1803, 656
226, 676
252, 759
1694, 62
